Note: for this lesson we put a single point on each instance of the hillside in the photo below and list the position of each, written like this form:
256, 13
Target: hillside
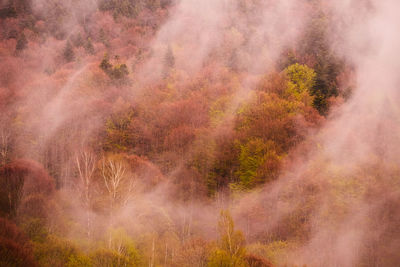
199, 133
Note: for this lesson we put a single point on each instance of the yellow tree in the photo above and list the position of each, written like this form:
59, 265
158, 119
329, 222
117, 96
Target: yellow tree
231, 250
301, 80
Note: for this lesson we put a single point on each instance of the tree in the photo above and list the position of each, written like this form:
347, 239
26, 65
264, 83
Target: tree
325, 86
179, 139
103, 38
117, 72
230, 251
253, 155
15, 248
23, 6
8, 12
11, 187
5, 145
119, 135
153, 5
300, 84
193, 252
108, 257
22, 178
124, 246
89, 48
255, 261
78, 40
36, 178
22, 43
122, 7
327, 66
169, 61
55, 251
113, 173
118, 184
34, 207
86, 165
79, 261
68, 53
105, 64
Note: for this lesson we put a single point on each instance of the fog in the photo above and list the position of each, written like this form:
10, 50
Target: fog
356, 147
342, 191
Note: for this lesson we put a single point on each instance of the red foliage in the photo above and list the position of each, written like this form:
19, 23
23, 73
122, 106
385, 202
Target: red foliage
36, 179
255, 261
34, 206
9, 230
147, 172
273, 83
5, 98
179, 138
11, 187
9, 70
21, 179
191, 111
15, 249
11, 254
189, 185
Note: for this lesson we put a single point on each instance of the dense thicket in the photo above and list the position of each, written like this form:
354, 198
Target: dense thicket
107, 149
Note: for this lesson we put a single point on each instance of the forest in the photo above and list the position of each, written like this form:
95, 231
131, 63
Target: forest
199, 133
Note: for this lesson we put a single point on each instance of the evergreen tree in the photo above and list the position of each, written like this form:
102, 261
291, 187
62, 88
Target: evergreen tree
169, 58
89, 48
22, 43
169, 61
105, 64
69, 54
117, 72
78, 40
103, 38
120, 71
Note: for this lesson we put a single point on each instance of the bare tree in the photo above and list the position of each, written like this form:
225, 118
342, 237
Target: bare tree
113, 173
86, 165
118, 184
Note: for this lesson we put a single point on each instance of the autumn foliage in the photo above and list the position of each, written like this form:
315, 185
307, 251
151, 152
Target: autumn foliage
119, 146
